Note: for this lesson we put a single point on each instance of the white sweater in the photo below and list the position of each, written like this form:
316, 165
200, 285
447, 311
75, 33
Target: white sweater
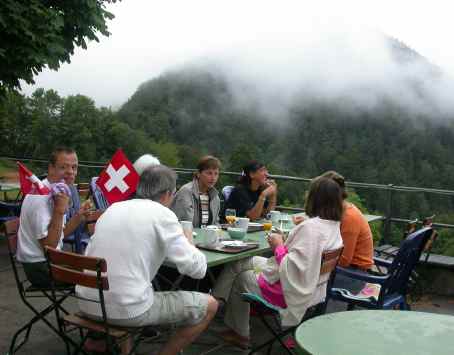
135, 237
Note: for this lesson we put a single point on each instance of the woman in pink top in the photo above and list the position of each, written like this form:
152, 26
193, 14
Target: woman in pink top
291, 278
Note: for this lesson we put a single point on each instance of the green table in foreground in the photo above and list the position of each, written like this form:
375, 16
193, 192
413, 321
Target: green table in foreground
377, 333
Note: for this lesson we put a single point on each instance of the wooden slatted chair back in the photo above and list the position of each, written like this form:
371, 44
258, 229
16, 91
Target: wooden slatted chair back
329, 260
71, 268
11, 230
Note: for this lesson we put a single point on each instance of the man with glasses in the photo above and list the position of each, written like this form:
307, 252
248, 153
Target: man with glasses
46, 220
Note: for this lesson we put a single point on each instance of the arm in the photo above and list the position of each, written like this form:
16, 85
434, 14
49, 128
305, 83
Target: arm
182, 205
56, 222
258, 210
279, 253
187, 258
350, 232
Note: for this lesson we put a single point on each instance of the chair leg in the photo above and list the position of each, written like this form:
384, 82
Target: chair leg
277, 336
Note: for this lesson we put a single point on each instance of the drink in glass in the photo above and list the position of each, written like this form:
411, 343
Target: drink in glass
267, 225
230, 215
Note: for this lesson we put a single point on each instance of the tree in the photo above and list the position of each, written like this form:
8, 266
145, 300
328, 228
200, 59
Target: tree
37, 33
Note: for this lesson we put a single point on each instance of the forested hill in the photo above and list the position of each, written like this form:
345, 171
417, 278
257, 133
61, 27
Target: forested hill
196, 110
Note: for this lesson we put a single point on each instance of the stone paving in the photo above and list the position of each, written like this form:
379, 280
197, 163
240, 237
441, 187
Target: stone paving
43, 342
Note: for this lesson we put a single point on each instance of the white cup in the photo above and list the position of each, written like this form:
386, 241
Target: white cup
275, 216
211, 234
242, 223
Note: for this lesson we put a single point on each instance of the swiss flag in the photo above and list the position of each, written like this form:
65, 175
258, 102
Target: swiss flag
119, 180
29, 182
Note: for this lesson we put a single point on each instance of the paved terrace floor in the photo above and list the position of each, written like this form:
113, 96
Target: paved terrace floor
14, 314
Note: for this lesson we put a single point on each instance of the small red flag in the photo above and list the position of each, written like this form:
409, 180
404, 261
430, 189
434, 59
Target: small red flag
29, 182
119, 180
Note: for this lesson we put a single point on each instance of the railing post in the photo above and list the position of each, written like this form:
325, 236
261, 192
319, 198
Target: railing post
388, 216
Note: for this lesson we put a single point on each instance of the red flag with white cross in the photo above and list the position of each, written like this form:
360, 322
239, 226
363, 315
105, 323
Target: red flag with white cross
119, 179
30, 183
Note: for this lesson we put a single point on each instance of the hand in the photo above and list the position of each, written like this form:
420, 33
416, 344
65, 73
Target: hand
61, 202
275, 240
85, 210
297, 219
271, 188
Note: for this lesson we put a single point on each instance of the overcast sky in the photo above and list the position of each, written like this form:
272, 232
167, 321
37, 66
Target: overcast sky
151, 36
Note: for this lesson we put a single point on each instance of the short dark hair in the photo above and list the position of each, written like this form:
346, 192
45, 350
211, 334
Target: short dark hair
339, 179
156, 181
57, 151
324, 199
251, 167
208, 162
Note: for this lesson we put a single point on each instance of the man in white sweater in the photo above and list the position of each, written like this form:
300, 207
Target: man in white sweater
135, 237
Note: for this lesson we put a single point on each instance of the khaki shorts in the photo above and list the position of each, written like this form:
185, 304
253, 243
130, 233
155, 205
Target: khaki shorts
173, 307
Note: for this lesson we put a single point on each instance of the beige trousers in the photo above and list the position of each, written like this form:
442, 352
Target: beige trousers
236, 278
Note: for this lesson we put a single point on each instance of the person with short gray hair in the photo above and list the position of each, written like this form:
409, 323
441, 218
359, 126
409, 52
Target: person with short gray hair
155, 181
135, 237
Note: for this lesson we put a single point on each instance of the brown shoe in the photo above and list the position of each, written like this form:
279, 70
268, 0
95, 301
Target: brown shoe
229, 336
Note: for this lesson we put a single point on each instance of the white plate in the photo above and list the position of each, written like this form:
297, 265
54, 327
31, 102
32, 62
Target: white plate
233, 243
255, 224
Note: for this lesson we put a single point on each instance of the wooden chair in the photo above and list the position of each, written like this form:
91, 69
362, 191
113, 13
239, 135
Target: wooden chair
89, 272
28, 292
262, 308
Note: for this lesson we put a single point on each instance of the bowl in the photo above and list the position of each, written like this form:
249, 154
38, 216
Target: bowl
236, 233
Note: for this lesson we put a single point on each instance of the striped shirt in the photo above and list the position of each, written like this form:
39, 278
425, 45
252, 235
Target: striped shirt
205, 208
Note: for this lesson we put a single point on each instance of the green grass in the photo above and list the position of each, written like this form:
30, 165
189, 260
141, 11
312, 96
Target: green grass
6, 166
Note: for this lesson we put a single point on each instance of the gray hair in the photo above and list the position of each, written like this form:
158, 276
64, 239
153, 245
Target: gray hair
155, 181
144, 162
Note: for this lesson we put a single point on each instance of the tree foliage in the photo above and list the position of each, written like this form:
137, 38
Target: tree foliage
37, 33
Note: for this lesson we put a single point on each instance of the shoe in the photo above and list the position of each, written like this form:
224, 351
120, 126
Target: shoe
229, 336
290, 343
97, 346
149, 332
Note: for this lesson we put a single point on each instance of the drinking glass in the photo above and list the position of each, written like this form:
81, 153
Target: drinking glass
267, 225
230, 215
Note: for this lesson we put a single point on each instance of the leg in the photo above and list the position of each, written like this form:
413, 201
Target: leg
192, 310
187, 335
237, 314
230, 272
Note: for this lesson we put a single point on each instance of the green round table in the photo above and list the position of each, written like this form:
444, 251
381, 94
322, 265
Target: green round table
377, 333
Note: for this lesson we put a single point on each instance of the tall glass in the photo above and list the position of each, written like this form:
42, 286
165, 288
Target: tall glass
267, 225
230, 215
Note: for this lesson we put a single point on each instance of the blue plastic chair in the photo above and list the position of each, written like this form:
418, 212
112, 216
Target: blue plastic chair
393, 284
226, 191
98, 197
9, 211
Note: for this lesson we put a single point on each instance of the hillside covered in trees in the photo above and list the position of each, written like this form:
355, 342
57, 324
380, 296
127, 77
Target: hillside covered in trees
197, 110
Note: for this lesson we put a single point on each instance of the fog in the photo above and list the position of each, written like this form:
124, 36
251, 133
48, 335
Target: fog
273, 53
352, 66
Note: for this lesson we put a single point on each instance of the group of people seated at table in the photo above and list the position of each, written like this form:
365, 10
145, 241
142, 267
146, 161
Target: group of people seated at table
136, 237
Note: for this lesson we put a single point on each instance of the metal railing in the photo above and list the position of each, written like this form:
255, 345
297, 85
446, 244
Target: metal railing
389, 189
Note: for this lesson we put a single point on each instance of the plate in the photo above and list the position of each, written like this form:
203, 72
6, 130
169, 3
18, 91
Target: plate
254, 224
233, 243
